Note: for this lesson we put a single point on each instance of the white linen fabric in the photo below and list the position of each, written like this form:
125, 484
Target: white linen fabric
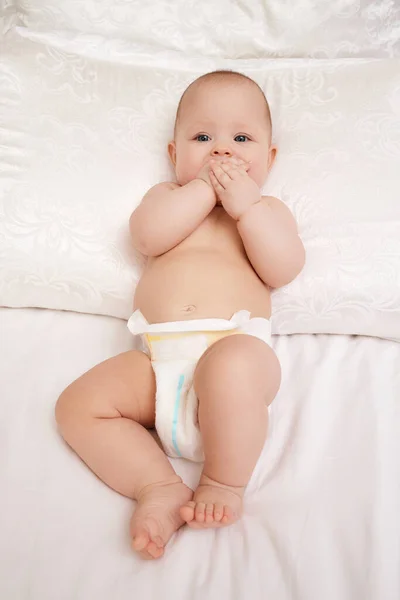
84, 129
322, 509
231, 28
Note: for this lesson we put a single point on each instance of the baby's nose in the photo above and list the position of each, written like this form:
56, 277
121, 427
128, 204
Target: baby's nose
221, 151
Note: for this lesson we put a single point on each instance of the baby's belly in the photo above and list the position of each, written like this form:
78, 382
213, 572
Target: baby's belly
199, 284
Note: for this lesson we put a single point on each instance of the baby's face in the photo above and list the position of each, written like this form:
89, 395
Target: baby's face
220, 120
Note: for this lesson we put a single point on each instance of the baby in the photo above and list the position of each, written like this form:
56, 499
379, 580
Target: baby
207, 372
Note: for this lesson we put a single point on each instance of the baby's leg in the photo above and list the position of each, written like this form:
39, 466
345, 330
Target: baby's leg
103, 416
235, 381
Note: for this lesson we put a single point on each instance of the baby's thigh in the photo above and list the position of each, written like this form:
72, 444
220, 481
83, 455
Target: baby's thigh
122, 386
239, 362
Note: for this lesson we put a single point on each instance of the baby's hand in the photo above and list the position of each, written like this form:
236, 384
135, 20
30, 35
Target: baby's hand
234, 188
204, 172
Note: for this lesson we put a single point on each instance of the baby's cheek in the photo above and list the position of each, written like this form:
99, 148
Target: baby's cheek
184, 174
258, 174
252, 173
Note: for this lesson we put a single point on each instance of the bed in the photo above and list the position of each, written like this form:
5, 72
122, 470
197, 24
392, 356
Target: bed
321, 518
87, 97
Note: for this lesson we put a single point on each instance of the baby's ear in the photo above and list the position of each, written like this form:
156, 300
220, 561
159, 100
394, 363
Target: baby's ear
172, 152
272, 156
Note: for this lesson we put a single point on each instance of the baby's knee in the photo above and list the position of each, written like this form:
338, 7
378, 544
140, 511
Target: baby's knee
241, 356
68, 412
240, 362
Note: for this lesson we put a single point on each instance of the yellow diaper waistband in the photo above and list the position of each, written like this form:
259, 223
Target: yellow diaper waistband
210, 337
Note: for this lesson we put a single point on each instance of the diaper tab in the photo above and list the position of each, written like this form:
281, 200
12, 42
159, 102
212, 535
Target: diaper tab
137, 323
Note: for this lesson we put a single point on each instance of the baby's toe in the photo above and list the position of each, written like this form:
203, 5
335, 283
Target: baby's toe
209, 513
155, 550
228, 515
199, 512
146, 547
218, 511
187, 511
140, 541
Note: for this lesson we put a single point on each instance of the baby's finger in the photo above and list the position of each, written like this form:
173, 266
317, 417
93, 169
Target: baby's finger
233, 172
238, 163
243, 168
216, 184
220, 172
231, 162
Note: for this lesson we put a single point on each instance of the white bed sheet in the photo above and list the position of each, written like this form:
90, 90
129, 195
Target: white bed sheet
322, 515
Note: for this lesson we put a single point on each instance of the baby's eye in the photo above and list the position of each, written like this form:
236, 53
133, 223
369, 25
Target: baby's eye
241, 138
203, 137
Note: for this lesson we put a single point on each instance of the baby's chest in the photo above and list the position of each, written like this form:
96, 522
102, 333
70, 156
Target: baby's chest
217, 230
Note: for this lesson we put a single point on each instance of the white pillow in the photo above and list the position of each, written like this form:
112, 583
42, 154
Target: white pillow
339, 171
8, 15
83, 140
231, 28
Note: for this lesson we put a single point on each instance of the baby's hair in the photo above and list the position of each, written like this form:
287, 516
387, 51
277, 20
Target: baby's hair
223, 75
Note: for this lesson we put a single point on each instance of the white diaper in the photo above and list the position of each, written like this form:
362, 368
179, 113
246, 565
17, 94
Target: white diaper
175, 349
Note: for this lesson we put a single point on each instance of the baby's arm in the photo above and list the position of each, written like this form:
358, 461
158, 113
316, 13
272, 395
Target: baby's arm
269, 234
265, 224
169, 213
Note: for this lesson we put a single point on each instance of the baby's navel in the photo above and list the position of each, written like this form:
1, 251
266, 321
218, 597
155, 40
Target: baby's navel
188, 308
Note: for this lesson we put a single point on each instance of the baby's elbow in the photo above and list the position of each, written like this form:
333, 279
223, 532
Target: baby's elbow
142, 245
297, 262
136, 233
300, 258
147, 242
292, 269
141, 236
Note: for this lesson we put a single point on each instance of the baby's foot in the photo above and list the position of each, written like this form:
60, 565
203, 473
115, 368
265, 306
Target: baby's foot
213, 505
157, 517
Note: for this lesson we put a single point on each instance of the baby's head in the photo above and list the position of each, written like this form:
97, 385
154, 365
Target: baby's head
222, 114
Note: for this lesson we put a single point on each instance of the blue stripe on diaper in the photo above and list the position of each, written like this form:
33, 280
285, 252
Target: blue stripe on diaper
176, 411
